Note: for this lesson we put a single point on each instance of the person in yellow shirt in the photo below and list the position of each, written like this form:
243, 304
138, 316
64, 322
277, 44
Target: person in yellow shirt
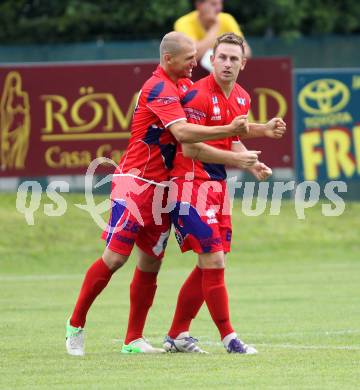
205, 24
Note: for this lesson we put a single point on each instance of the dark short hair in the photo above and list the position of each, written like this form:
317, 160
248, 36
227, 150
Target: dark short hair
231, 38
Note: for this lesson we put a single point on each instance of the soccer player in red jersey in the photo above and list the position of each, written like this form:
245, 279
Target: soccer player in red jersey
202, 214
158, 123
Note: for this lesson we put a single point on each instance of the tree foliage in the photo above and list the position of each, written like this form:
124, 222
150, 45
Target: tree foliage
49, 21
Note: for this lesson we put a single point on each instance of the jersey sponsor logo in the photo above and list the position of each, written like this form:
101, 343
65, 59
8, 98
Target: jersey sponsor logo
167, 99
241, 101
194, 114
215, 99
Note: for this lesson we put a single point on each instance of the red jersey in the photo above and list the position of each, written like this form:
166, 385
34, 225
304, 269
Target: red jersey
152, 147
206, 104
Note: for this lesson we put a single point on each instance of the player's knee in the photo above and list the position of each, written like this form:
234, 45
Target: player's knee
215, 264
212, 260
114, 260
149, 265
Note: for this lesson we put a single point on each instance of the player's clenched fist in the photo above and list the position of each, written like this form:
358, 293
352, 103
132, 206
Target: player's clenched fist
246, 159
240, 125
275, 128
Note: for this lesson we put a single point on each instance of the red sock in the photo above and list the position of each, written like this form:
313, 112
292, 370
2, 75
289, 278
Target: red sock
189, 301
216, 299
96, 279
142, 292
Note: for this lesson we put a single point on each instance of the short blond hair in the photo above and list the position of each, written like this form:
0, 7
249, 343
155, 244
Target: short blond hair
231, 38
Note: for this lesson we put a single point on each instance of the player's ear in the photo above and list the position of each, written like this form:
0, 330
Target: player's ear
243, 63
167, 58
212, 58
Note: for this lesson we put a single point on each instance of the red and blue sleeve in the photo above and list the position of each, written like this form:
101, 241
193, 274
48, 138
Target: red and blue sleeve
195, 106
164, 102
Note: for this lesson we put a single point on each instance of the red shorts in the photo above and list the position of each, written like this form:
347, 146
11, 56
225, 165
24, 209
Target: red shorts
201, 216
132, 218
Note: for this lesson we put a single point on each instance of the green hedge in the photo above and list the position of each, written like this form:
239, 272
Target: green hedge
48, 21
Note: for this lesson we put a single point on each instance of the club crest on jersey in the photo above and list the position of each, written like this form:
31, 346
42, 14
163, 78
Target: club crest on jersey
241, 101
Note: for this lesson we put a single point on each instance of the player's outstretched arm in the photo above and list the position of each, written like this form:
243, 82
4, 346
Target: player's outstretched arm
210, 154
275, 128
186, 132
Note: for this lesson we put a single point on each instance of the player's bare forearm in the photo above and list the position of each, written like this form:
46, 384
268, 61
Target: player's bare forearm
238, 147
191, 133
256, 130
274, 128
209, 154
185, 132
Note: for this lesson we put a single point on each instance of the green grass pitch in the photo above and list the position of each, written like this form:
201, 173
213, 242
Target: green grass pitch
294, 290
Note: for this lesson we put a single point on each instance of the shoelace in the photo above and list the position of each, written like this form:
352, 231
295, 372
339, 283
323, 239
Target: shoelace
76, 338
192, 339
